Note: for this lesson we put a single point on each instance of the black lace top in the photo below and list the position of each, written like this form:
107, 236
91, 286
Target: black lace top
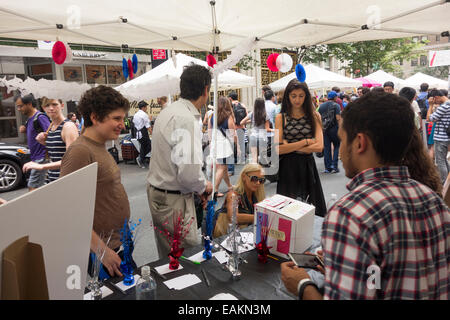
296, 129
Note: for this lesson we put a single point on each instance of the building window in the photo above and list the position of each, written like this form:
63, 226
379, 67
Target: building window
438, 38
41, 71
414, 63
424, 38
96, 74
8, 119
423, 60
74, 74
415, 39
115, 75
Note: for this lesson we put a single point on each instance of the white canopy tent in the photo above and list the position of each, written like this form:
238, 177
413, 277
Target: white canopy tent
165, 79
205, 25
317, 78
416, 80
381, 77
220, 25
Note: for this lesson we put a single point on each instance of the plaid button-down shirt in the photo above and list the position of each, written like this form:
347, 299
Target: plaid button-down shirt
391, 223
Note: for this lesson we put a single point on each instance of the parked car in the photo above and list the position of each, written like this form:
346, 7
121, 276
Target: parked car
12, 159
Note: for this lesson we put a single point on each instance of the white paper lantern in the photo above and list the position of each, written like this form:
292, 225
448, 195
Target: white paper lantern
284, 62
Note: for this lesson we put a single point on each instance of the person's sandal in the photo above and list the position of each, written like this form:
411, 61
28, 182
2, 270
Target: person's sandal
220, 195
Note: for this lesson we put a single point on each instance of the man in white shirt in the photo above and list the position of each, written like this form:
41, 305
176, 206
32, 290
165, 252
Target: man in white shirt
176, 168
142, 124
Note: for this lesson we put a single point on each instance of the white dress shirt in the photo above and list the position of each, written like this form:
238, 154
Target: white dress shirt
177, 155
140, 121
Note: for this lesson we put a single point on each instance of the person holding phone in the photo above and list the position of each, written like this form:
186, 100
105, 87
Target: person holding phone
367, 234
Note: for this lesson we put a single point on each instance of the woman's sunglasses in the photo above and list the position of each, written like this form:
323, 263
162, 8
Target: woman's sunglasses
256, 179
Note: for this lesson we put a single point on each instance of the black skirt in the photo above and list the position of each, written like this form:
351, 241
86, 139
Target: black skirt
298, 179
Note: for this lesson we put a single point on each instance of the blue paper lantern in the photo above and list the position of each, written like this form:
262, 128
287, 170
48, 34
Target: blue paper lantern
300, 73
125, 68
134, 61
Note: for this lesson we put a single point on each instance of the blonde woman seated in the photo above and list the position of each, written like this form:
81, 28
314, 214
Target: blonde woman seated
249, 191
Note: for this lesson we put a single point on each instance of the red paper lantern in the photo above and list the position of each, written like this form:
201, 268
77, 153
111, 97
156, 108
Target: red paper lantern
59, 52
130, 68
211, 60
272, 62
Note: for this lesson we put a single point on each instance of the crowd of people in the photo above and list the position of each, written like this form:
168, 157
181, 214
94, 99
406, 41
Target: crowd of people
393, 217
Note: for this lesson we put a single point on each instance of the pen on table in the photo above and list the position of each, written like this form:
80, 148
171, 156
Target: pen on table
158, 274
272, 257
194, 262
206, 278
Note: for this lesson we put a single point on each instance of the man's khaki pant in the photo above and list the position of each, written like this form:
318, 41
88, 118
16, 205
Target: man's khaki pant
163, 206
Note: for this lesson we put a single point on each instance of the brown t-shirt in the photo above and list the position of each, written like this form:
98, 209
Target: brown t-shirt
111, 200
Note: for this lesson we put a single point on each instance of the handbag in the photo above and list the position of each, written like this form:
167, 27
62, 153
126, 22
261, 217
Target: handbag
223, 145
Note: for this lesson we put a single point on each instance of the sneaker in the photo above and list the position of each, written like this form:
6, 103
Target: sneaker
327, 171
139, 163
336, 170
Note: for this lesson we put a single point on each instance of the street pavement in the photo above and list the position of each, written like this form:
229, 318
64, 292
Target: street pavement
134, 181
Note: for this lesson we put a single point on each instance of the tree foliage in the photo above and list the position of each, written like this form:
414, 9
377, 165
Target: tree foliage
363, 58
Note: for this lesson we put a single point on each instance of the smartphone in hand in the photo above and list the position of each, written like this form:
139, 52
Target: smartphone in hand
304, 260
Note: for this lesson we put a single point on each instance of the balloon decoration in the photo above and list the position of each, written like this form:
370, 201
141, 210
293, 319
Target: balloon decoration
211, 60
284, 62
130, 68
300, 73
134, 59
69, 55
59, 52
125, 68
272, 62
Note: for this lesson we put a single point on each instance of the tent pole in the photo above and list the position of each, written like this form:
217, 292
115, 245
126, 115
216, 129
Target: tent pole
214, 136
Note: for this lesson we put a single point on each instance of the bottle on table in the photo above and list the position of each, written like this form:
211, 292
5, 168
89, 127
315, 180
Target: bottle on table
146, 285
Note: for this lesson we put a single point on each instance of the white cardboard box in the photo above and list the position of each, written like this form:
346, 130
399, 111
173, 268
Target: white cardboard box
290, 223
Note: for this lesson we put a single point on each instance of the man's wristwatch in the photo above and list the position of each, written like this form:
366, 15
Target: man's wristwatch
302, 285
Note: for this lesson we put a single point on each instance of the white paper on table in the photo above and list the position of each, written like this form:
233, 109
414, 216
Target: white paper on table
182, 282
124, 287
242, 247
247, 237
223, 296
105, 292
221, 256
198, 257
165, 269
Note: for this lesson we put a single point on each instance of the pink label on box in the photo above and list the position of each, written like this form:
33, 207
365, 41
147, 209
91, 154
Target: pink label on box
284, 226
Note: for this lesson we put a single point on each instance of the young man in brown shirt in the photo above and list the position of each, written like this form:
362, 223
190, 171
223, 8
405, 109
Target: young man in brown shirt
103, 110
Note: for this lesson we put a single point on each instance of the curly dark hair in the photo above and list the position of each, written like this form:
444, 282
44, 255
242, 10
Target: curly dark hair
386, 118
193, 81
101, 100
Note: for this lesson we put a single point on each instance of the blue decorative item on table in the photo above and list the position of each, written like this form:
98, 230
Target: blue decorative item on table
128, 241
300, 72
209, 229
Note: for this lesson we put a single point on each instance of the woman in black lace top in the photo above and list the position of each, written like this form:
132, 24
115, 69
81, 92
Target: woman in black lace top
300, 133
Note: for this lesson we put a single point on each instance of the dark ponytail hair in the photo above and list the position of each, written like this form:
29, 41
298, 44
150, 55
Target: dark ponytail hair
259, 112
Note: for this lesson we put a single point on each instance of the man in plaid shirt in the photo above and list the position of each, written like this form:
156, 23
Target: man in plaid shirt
388, 238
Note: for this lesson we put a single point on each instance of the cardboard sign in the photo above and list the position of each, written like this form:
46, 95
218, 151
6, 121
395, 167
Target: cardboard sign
439, 58
59, 218
23, 272
159, 54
